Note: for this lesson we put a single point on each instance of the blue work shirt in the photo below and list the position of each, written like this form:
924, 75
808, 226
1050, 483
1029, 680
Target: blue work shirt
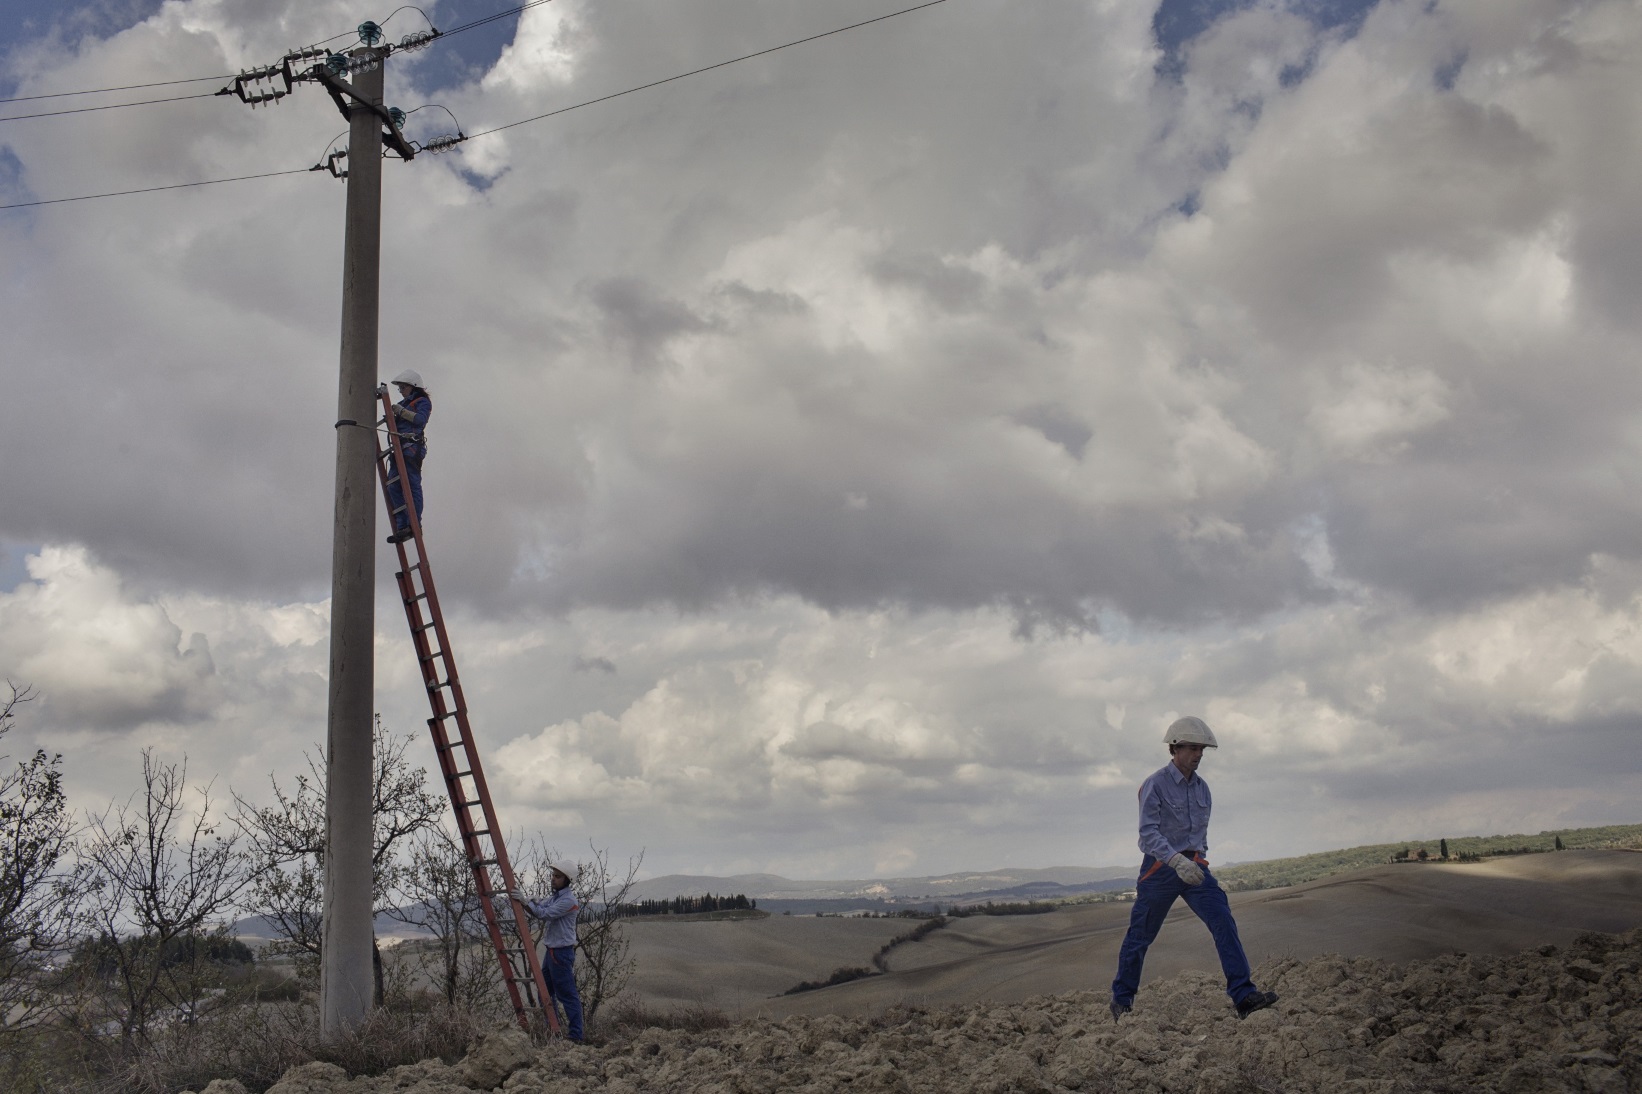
419, 406
559, 912
1174, 813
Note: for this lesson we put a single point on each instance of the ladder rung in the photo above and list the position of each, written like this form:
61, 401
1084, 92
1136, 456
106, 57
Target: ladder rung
518, 961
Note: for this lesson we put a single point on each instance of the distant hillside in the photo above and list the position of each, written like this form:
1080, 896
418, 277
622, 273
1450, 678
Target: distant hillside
781, 894
785, 894
1276, 873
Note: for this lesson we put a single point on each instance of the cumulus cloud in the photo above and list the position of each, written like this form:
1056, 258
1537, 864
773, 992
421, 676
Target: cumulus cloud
237, 686
880, 438
107, 662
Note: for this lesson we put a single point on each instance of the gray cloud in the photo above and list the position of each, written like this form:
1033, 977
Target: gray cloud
917, 417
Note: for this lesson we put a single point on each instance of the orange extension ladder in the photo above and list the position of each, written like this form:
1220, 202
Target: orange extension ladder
459, 758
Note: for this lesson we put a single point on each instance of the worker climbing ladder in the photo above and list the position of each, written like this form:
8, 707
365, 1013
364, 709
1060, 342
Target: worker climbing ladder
459, 757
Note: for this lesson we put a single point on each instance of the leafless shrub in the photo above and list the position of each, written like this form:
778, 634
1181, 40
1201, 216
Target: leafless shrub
287, 841
40, 888
627, 1016
256, 1045
436, 894
161, 879
604, 963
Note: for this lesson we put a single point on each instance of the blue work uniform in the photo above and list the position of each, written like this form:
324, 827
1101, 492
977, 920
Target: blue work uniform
559, 912
1174, 819
413, 442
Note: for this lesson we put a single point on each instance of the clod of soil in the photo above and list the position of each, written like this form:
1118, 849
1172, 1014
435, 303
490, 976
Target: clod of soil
1542, 1021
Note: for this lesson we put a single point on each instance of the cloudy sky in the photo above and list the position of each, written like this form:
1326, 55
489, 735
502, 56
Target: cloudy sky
848, 461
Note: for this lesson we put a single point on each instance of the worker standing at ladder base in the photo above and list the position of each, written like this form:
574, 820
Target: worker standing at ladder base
412, 412
1174, 837
559, 912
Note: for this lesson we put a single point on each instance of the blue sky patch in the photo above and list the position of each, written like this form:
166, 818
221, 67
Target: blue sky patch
458, 58
1178, 22
1449, 71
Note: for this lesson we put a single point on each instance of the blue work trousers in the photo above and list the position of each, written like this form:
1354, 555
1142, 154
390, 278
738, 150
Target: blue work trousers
1155, 894
559, 970
414, 454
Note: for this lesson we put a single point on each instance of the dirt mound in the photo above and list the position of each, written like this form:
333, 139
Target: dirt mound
1546, 1020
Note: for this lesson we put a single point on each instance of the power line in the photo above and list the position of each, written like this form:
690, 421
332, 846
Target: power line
523, 121
708, 68
492, 18
108, 106
152, 189
127, 87
230, 75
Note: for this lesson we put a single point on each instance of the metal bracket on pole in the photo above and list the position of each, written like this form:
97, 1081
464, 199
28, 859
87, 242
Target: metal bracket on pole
342, 91
331, 162
256, 76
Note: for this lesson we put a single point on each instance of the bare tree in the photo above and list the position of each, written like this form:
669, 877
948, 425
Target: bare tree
437, 894
161, 879
604, 963
40, 889
287, 840
601, 936
287, 847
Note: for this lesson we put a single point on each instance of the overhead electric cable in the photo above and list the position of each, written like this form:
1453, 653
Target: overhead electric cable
152, 189
127, 87
230, 75
522, 121
108, 106
707, 68
492, 18
407, 7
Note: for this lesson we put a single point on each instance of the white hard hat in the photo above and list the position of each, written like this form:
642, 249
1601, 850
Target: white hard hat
410, 376
1190, 731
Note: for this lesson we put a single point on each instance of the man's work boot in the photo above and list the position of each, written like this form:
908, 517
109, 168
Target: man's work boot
400, 535
1255, 1000
1119, 1010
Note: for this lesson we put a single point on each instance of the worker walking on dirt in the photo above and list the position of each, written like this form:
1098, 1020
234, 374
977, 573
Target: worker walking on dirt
559, 912
1174, 836
412, 412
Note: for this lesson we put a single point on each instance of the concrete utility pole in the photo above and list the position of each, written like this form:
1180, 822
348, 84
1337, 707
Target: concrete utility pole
347, 979
347, 976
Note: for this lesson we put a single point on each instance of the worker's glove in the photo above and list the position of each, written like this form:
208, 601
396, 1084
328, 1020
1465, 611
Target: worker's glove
1190, 872
381, 389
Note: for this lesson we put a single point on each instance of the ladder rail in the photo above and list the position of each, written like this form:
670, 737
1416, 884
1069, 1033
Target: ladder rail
534, 994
